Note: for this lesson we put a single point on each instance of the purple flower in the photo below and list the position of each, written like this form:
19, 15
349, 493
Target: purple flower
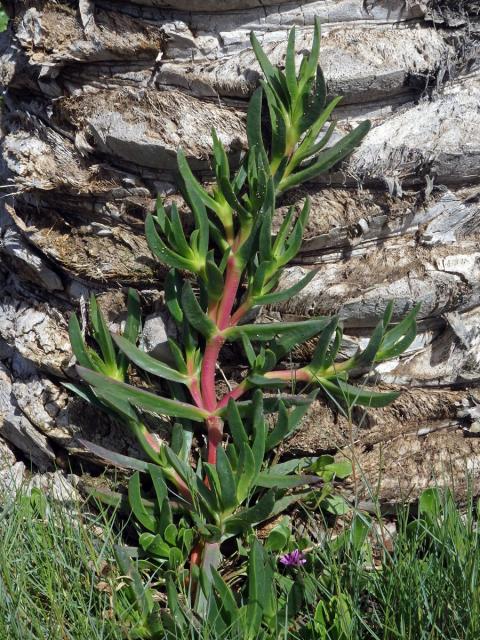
294, 559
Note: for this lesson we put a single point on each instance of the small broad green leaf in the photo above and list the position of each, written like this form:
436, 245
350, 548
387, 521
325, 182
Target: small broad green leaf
295, 464
430, 504
336, 505
286, 501
279, 536
228, 489
158, 482
359, 529
154, 544
326, 468
136, 504
170, 533
246, 472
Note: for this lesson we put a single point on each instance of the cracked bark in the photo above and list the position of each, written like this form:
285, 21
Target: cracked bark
97, 98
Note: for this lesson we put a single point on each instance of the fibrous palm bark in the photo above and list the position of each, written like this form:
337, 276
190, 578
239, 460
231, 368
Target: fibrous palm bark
98, 96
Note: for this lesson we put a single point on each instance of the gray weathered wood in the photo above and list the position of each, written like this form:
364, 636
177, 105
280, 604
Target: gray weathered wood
99, 95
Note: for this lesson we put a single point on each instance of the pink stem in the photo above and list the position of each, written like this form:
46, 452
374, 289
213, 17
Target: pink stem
215, 435
232, 282
239, 313
209, 364
181, 486
212, 351
195, 393
234, 394
289, 375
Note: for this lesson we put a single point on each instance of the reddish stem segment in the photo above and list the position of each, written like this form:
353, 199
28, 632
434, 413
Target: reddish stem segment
290, 375
209, 364
232, 282
234, 394
215, 435
195, 393
239, 313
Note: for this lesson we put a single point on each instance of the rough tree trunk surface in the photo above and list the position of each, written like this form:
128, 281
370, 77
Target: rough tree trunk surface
99, 94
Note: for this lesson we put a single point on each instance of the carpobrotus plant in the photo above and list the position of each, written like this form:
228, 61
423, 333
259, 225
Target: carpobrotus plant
230, 263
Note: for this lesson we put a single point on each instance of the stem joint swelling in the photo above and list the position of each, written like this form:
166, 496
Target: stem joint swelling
192, 503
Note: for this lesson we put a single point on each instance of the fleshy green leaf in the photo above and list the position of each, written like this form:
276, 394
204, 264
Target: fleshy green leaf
147, 363
135, 499
254, 120
228, 490
268, 331
329, 158
272, 480
140, 398
78, 344
351, 396
102, 335
164, 253
117, 459
286, 294
195, 314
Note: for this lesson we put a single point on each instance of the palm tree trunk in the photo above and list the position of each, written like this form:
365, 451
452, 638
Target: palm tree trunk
98, 96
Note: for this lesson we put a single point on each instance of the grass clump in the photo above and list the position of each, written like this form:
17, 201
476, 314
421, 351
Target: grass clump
421, 585
54, 582
57, 581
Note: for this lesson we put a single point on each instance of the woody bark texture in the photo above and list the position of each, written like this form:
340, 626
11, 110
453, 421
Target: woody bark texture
99, 95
